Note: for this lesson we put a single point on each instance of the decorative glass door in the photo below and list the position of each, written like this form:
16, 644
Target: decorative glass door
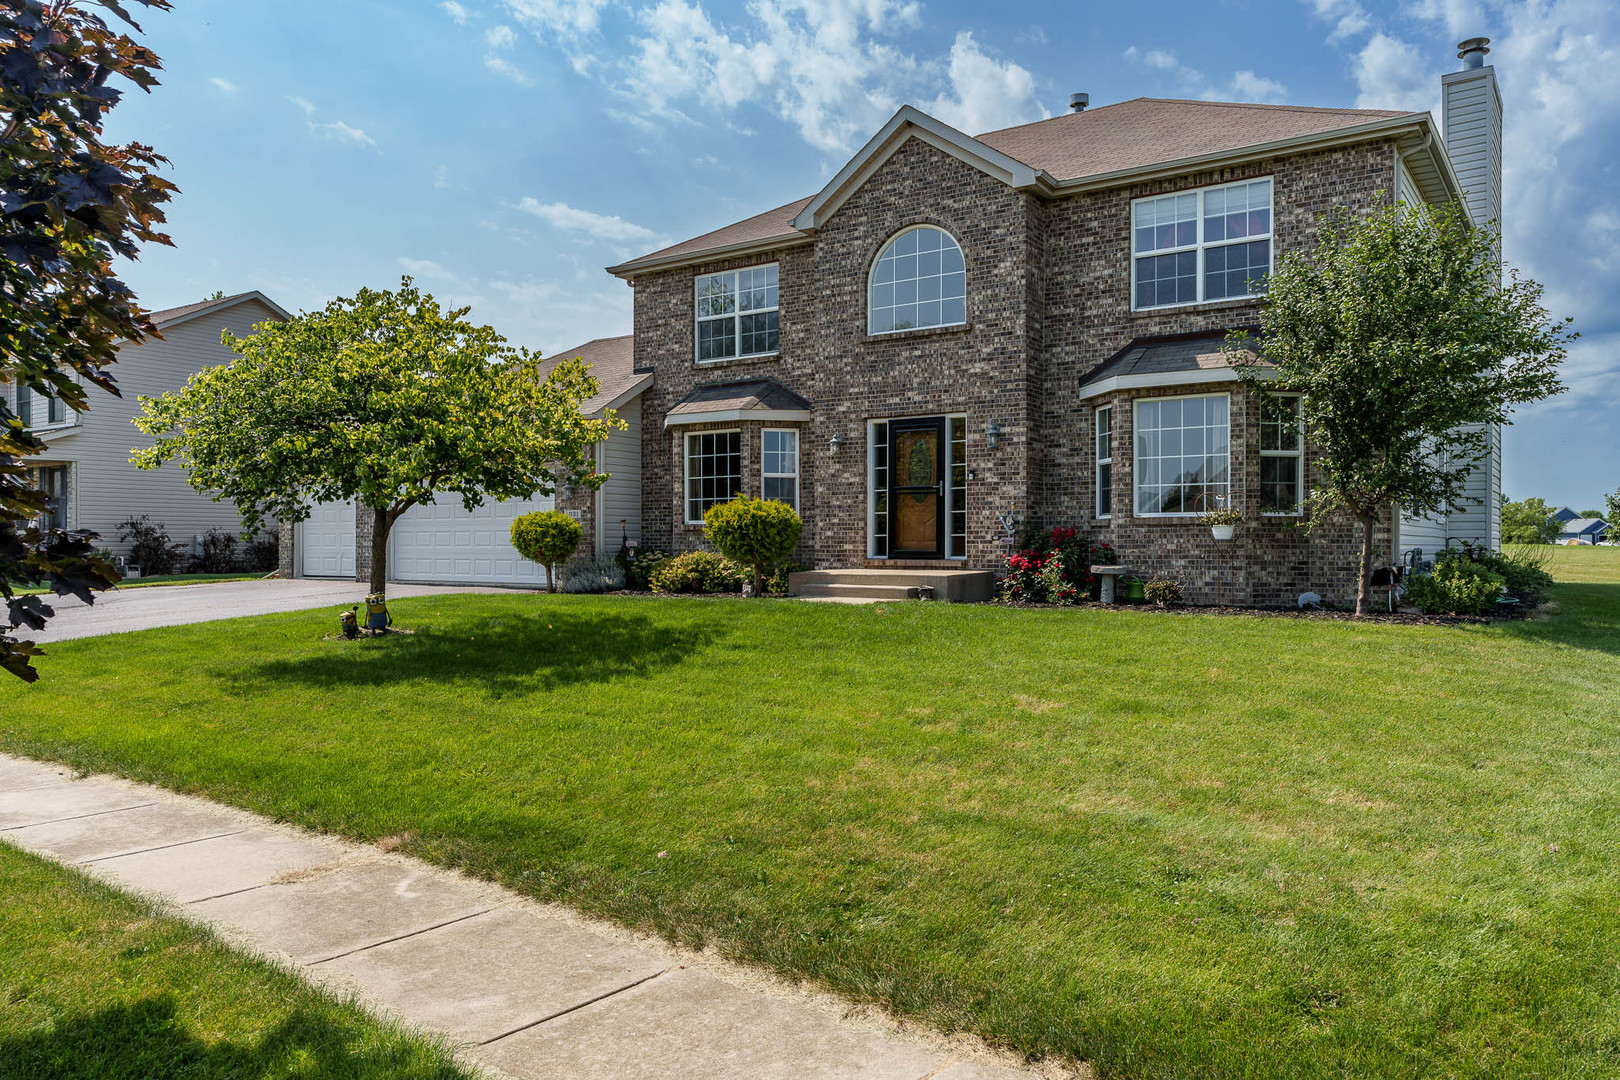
916, 495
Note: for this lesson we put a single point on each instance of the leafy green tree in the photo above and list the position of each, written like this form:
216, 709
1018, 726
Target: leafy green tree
547, 537
755, 532
1591, 514
1529, 522
383, 398
1405, 345
1613, 503
70, 205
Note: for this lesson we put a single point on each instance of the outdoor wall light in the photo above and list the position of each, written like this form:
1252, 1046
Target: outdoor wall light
835, 442
992, 435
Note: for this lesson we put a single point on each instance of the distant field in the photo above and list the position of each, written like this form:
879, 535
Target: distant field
1579, 565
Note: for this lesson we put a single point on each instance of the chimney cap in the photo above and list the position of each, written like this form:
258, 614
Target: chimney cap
1472, 52
1078, 102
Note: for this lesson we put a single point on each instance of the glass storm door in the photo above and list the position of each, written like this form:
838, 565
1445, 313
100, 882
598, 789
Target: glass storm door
917, 488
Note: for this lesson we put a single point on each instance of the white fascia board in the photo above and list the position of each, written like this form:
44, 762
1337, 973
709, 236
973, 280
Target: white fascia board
1163, 378
627, 271
725, 416
910, 122
628, 394
226, 305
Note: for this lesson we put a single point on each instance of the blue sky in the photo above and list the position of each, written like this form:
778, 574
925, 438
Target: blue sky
504, 151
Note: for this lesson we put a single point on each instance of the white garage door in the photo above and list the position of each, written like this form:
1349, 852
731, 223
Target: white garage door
443, 543
328, 541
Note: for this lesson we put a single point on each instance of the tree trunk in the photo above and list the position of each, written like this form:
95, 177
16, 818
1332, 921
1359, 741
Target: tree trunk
381, 522
759, 581
1364, 579
551, 577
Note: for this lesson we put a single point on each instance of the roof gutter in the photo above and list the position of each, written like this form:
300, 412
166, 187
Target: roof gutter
630, 269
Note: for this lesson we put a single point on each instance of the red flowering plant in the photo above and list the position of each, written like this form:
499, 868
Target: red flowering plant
1053, 566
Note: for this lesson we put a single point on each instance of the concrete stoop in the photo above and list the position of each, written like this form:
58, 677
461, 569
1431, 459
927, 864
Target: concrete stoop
957, 586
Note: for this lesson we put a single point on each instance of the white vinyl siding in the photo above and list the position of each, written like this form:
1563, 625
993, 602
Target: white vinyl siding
1406, 189
619, 500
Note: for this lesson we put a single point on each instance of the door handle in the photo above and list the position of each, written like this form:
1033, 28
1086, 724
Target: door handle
940, 487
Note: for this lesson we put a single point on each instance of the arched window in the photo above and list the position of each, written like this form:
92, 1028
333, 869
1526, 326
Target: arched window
918, 280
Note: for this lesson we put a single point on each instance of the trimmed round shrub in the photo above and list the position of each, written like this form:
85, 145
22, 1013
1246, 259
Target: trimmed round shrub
758, 533
547, 537
1455, 587
698, 572
1158, 589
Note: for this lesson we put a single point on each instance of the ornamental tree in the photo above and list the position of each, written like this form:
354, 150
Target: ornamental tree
755, 532
1406, 346
1528, 522
383, 398
69, 205
546, 537
1613, 503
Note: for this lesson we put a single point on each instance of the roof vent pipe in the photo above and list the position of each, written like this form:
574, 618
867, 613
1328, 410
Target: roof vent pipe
1472, 52
1078, 102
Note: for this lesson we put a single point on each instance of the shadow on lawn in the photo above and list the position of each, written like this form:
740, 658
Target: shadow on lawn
1587, 617
502, 653
147, 1041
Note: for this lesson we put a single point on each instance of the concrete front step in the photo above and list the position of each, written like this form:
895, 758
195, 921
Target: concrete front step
879, 584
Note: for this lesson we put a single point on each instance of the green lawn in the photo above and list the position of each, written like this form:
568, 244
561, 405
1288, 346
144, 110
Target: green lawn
97, 985
1170, 845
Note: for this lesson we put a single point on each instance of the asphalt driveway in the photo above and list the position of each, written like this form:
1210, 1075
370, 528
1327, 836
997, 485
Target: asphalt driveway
123, 610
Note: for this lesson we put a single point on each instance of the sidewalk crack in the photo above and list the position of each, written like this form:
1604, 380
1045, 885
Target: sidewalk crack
159, 847
581, 1005
77, 817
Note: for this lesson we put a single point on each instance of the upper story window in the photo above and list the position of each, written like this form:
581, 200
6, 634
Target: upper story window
37, 411
919, 280
1198, 246
737, 314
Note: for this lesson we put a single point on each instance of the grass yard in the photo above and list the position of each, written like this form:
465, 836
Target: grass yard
97, 985
1172, 846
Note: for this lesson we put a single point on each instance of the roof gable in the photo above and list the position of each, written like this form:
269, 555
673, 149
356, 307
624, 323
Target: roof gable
186, 312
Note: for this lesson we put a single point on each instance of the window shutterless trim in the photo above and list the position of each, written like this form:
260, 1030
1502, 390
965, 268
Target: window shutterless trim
1136, 470
871, 275
1201, 246
686, 468
1102, 460
1298, 454
736, 315
794, 475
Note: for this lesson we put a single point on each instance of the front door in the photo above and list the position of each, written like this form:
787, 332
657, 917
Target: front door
917, 488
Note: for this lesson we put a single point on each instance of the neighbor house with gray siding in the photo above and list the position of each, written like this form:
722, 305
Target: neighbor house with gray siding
86, 467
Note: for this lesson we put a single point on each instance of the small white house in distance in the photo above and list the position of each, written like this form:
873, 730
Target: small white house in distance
86, 467
444, 543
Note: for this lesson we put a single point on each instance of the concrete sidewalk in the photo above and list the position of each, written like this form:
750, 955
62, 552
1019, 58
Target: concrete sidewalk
527, 990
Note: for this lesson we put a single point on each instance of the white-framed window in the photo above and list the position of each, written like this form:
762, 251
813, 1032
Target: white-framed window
919, 279
1105, 461
737, 314
38, 411
713, 471
779, 466
1282, 458
1196, 246
1183, 455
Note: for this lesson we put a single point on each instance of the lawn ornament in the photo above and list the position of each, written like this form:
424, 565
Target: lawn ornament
349, 623
377, 617
1310, 601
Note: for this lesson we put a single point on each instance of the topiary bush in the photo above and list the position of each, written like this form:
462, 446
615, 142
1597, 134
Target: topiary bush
1456, 586
698, 572
596, 574
547, 537
758, 533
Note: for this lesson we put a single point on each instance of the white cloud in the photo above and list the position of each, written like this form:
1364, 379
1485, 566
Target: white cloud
333, 130
985, 94
505, 68
612, 229
556, 20
225, 86
1390, 74
500, 37
1346, 17
1242, 86
821, 65
455, 11
425, 268
441, 177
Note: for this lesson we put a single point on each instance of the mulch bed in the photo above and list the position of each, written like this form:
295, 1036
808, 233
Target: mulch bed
1397, 618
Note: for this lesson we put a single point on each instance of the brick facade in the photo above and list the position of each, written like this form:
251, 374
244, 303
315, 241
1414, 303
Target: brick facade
1048, 299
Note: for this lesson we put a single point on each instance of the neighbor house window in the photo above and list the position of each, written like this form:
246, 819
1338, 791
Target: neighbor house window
779, 472
713, 471
919, 280
1182, 455
1196, 246
737, 313
35, 410
1105, 461
1282, 457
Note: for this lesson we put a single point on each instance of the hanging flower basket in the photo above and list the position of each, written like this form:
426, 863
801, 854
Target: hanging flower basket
1221, 523
1222, 532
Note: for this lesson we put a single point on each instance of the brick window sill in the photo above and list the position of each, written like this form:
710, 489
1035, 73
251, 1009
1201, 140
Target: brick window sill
920, 332
1247, 303
736, 361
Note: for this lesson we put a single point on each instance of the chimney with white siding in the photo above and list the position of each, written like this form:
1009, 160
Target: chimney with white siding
1471, 116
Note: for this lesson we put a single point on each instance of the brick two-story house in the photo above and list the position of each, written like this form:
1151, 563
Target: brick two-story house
957, 333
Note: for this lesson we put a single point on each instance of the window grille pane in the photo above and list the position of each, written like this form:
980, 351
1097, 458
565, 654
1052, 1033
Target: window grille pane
920, 280
1182, 462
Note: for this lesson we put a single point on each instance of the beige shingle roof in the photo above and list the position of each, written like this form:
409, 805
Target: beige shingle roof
1147, 131
171, 314
611, 361
1108, 139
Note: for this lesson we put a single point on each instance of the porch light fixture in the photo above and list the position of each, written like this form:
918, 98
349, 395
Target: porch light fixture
992, 435
835, 442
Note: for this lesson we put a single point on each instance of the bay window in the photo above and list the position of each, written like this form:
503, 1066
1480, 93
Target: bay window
713, 471
779, 466
1105, 461
1183, 455
1282, 457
